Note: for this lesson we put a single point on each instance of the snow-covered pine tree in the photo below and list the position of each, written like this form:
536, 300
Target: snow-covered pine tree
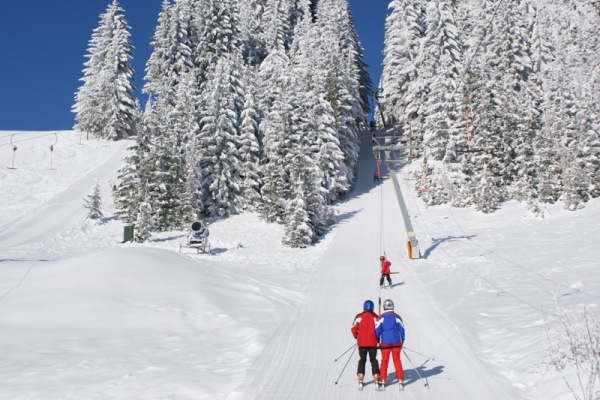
338, 68
217, 25
568, 142
186, 125
488, 168
133, 176
219, 140
144, 223
93, 203
172, 53
306, 207
274, 80
443, 125
251, 27
250, 143
314, 156
298, 232
401, 86
275, 127
526, 182
183, 130
105, 105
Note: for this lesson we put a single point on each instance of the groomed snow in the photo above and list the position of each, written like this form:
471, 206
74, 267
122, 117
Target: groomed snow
84, 316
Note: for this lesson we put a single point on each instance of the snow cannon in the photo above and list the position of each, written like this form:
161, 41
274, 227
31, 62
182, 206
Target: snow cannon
197, 237
197, 226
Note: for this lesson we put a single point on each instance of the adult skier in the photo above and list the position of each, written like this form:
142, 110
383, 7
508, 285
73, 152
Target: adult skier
390, 333
363, 330
385, 271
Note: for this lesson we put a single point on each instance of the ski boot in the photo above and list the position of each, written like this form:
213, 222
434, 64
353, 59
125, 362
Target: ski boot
377, 382
360, 381
400, 385
380, 385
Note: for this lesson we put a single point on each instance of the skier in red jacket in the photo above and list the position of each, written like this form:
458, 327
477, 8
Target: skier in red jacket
363, 330
385, 271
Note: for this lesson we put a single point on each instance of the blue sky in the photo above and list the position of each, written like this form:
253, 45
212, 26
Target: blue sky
43, 44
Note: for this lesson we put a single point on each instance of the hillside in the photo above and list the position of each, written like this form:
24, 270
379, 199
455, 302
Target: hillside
85, 316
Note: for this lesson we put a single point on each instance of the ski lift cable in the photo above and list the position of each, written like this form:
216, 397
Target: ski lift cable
381, 246
12, 133
28, 139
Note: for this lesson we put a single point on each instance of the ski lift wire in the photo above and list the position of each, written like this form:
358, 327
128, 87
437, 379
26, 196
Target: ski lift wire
26, 140
12, 133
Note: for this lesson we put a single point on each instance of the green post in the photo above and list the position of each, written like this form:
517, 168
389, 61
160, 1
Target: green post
128, 233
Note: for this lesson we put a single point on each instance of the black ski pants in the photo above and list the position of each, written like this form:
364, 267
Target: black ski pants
362, 361
385, 276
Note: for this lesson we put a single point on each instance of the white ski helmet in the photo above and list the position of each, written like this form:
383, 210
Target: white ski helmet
388, 304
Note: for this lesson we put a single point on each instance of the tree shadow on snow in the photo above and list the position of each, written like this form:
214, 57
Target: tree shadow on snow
437, 242
344, 216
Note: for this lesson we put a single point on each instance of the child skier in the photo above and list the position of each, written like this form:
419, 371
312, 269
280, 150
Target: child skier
385, 271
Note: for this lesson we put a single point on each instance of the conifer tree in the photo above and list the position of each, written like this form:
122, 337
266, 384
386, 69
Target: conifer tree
250, 144
93, 203
144, 223
338, 73
401, 84
172, 52
442, 125
220, 163
105, 106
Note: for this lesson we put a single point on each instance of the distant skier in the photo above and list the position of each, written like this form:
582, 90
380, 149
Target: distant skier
363, 329
385, 271
390, 333
376, 176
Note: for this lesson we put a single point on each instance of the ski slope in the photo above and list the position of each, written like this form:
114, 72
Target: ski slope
306, 346
84, 316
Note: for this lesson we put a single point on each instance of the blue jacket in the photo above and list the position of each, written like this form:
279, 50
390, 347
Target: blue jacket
389, 328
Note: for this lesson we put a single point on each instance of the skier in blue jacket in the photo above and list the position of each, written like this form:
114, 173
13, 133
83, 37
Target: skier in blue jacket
390, 333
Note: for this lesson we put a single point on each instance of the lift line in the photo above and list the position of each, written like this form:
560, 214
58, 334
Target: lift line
388, 144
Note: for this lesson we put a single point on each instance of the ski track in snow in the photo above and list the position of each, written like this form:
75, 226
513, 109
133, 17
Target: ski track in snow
303, 367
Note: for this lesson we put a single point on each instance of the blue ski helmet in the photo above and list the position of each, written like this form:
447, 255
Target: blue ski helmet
368, 306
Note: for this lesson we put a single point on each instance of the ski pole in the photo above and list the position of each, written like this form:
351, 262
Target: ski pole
343, 369
416, 369
341, 355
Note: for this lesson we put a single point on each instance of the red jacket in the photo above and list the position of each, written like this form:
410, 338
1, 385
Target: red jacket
363, 329
385, 267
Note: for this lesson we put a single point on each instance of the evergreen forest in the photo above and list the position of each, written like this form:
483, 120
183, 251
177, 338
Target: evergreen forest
259, 105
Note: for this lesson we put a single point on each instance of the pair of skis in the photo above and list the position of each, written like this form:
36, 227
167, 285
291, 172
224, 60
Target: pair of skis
379, 386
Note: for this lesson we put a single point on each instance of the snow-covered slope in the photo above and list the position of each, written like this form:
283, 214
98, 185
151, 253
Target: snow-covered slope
83, 316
